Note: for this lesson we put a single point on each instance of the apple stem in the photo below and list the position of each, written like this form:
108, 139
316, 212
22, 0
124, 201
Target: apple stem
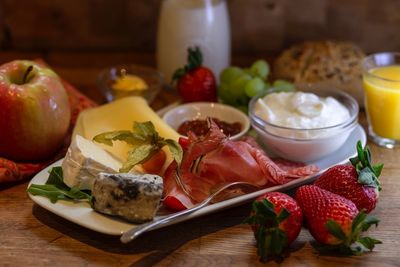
28, 70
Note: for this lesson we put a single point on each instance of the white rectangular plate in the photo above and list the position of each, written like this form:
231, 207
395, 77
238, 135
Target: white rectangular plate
82, 214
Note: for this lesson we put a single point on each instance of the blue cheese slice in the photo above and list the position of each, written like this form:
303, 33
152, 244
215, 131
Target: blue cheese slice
84, 161
134, 197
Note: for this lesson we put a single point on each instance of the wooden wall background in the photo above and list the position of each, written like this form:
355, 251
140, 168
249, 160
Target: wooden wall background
258, 26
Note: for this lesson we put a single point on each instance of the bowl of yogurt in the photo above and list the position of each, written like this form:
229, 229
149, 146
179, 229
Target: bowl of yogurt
303, 125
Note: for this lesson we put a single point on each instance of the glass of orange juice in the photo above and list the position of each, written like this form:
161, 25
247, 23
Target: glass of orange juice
381, 79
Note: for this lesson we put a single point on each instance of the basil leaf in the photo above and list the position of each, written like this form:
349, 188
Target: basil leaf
145, 129
175, 149
126, 136
145, 141
138, 155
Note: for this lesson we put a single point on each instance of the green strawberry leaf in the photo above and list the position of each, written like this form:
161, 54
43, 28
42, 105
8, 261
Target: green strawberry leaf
271, 243
335, 230
266, 209
358, 220
356, 249
194, 60
278, 241
368, 242
262, 242
377, 169
368, 174
178, 74
367, 177
353, 243
368, 222
367, 156
360, 152
354, 161
283, 215
271, 240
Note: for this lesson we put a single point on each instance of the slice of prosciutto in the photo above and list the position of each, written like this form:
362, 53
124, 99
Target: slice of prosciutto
215, 159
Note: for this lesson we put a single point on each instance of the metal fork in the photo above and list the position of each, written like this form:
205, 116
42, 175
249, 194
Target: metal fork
133, 233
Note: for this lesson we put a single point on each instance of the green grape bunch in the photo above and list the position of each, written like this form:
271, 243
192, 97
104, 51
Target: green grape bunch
238, 85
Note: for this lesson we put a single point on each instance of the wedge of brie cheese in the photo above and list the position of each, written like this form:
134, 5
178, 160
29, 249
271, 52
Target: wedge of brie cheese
135, 197
84, 161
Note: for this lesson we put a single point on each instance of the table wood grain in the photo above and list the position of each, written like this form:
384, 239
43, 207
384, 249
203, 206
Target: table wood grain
32, 236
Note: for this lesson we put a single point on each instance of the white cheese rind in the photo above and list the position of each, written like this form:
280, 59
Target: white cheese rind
135, 197
84, 161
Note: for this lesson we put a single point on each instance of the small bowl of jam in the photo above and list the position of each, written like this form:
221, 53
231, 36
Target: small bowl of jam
193, 117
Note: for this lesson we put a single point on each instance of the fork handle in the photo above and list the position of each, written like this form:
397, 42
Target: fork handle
133, 233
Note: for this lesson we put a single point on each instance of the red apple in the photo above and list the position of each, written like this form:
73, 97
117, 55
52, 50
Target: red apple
34, 111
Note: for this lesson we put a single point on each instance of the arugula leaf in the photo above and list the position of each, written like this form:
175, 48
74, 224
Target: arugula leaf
56, 178
145, 142
50, 191
55, 189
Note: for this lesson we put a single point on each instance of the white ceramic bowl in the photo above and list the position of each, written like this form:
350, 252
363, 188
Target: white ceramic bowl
201, 110
314, 143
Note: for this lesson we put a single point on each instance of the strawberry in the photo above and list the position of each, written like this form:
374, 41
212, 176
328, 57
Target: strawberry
276, 220
196, 82
357, 182
335, 221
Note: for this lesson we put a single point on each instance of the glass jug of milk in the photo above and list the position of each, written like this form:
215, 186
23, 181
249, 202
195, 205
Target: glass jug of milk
189, 23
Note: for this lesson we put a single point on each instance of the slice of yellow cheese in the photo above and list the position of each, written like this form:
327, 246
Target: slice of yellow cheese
120, 115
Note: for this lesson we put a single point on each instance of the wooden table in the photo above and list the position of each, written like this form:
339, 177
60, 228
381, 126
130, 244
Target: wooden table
32, 236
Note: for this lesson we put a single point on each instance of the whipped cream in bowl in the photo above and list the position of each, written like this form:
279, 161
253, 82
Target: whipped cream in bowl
303, 126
